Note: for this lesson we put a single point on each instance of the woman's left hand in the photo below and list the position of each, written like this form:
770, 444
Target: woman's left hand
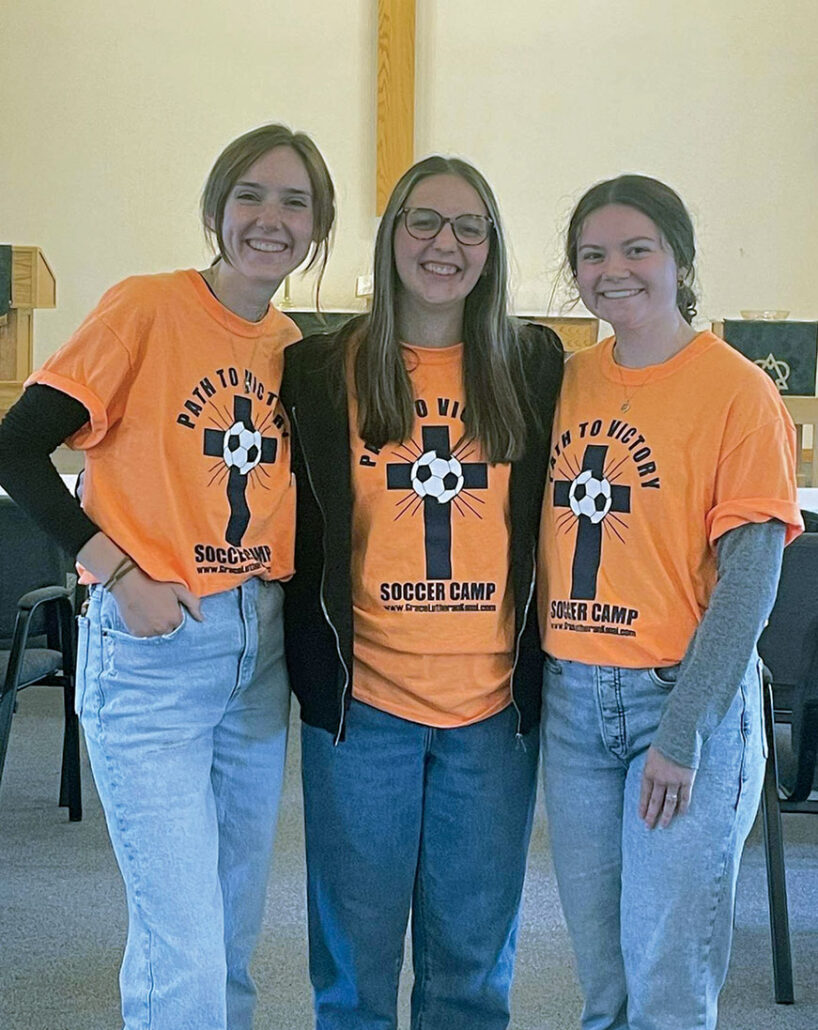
666, 789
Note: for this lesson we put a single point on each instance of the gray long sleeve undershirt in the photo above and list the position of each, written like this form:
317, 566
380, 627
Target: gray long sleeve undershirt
749, 563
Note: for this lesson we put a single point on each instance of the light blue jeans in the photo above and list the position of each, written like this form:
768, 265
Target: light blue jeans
402, 815
186, 734
649, 911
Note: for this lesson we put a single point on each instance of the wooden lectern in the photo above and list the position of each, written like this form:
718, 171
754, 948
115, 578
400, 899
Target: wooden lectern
32, 286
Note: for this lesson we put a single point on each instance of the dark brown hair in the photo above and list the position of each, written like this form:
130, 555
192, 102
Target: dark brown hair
665, 209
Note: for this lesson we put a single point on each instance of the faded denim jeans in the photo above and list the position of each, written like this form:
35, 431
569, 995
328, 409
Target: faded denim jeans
187, 736
404, 816
649, 911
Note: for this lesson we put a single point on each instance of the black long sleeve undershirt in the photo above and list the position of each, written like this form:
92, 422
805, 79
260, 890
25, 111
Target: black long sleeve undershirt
39, 422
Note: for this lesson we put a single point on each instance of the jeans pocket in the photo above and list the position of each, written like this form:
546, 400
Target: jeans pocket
125, 655
745, 729
761, 688
80, 677
753, 738
121, 633
552, 664
664, 676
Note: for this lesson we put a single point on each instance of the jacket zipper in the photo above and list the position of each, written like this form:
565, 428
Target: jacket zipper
520, 637
321, 595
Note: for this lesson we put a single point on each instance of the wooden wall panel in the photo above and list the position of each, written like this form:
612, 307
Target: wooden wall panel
396, 95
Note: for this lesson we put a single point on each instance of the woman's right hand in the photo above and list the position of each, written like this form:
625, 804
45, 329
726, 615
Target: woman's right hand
150, 608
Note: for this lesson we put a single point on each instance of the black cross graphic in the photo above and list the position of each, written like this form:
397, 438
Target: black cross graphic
236, 482
437, 517
588, 548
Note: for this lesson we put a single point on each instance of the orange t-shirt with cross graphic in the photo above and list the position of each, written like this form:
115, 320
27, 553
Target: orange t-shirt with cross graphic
431, 590
187, 446
648, 468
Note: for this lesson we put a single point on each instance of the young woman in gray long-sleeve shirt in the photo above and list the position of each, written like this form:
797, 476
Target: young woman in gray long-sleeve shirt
670, 498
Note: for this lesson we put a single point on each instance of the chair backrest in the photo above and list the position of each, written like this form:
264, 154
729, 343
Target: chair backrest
29, 559
789, 640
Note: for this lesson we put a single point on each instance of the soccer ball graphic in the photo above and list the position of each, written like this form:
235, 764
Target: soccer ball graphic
590, 496
242, 448
441, 478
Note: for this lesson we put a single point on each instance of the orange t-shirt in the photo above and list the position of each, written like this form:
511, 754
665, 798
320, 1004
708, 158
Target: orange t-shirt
187, 447
637, 498
431, 589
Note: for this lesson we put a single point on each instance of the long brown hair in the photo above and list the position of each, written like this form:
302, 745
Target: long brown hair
492, 367
244, 151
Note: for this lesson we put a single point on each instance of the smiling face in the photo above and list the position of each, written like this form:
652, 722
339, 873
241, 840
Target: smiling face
625, 272
436, 276
267, 226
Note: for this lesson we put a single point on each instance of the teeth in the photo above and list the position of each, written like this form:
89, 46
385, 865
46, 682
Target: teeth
618, 294
266, 246
431, 266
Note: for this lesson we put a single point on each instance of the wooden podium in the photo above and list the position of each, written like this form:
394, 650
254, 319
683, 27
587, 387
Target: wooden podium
32, 286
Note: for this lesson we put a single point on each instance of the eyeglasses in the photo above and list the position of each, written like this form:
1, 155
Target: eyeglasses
424, 223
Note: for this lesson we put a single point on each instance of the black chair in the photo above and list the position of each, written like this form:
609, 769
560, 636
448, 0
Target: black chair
37, 634
789, 649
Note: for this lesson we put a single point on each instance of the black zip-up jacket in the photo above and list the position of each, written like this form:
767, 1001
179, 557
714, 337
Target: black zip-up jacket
318, 605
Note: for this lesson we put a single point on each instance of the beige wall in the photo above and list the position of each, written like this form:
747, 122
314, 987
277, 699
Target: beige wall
715, 96
112, 113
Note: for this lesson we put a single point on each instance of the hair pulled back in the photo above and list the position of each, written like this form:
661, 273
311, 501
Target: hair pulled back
665, 209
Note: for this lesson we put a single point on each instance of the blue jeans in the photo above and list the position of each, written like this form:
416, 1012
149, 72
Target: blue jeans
649, 911
401, 816
186, 734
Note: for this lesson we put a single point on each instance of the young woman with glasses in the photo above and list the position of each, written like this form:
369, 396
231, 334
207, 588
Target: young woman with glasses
419, 442
170, 387
670, 496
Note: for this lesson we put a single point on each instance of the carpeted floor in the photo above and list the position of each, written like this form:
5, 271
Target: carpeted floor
62, 913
